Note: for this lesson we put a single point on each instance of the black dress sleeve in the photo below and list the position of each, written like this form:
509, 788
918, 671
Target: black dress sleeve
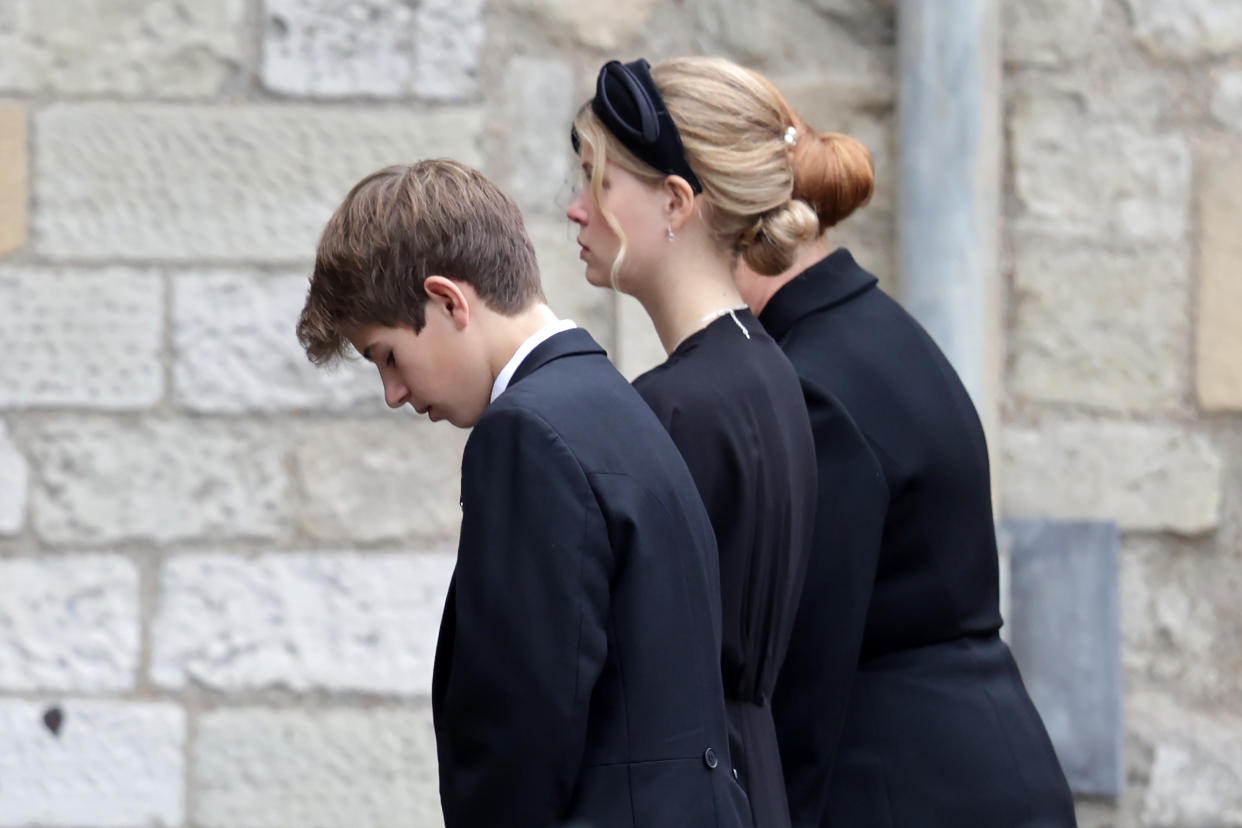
813, 690
524, 636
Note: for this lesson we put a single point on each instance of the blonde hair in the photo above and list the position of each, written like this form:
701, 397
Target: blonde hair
732, 124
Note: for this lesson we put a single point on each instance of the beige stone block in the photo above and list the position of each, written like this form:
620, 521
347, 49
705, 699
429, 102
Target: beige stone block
600, 24
1187, 30
13, 176
265, 768
1218, 368
195, 183
149, 48
1079, 178
1109, 329
1146, 477
1049, 32
395, 480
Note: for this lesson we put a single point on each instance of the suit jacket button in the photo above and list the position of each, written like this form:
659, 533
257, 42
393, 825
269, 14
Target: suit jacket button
709, 758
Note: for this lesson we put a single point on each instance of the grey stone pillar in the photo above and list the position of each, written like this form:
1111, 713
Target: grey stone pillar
948, 213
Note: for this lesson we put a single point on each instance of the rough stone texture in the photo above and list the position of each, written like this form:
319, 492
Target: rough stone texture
338, 48
102, 481
1065, 634
396, 481
1186, 29
1077, 178
1196, 773
113, 764
538, 108
638, 346
235, 349
1182, 632
81, 339
69, 623
1049, 32
1146, 477
14, 479
450, 38
1106, 328
259, 768
1227, 99
13, 176
334, 622
377, 48
564, 279
149, 48
198, 183
600, 24
1219, 345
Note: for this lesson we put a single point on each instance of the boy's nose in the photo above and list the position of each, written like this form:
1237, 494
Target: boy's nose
395, 394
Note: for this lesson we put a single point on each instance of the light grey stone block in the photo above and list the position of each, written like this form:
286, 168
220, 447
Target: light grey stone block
108, 765
1064, 621
538, 109
235, 349
69, 623
147, 48
261, 768
14, 485
103, 481
81, 339
333, 622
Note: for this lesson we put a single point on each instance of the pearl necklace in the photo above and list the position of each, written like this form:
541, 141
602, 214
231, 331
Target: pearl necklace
708, 318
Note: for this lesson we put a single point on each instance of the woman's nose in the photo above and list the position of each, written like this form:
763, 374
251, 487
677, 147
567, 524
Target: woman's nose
577, 211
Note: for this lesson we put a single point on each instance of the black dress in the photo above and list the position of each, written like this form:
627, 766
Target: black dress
732, 403
899, 705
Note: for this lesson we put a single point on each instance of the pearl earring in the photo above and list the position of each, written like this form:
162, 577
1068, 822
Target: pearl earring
669, 230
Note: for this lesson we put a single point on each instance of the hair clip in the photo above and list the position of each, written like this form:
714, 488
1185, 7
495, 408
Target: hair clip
791, 136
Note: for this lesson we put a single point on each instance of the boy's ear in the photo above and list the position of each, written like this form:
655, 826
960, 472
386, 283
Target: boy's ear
446, 296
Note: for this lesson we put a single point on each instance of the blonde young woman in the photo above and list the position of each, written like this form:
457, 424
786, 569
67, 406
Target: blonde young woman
686, 169
898, 704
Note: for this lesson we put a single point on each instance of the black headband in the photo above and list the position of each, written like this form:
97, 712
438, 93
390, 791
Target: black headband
628, 103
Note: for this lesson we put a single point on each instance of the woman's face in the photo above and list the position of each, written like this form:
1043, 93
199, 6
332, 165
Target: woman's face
638, 208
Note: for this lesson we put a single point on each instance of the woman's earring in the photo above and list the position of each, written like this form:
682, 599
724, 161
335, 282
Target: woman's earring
669, 230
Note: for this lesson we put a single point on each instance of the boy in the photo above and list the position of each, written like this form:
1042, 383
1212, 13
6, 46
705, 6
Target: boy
577, 675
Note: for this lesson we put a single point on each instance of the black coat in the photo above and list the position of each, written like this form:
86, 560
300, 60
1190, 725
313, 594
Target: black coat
732, 403
898, 704
577, 674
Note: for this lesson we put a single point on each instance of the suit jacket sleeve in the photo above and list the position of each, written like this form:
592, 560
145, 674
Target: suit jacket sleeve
526, 618
813, 691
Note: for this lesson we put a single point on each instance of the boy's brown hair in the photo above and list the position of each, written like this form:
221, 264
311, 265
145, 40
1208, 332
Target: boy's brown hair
400, 225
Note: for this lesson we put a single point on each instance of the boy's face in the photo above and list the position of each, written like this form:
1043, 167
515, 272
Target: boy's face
436, 371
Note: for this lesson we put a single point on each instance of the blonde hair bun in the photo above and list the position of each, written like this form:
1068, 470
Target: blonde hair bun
771, 244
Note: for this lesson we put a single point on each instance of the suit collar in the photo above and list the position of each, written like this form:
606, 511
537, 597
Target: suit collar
573, 342
830, 281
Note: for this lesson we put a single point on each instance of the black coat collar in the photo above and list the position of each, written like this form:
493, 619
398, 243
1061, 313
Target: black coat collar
572, 342
830, 281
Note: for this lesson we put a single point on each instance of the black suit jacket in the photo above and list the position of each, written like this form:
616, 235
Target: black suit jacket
898, 704
577, 676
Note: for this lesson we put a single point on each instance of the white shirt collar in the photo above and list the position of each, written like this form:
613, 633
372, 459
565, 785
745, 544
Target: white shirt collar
532, 342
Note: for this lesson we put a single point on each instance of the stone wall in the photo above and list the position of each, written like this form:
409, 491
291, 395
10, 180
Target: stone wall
221, 571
